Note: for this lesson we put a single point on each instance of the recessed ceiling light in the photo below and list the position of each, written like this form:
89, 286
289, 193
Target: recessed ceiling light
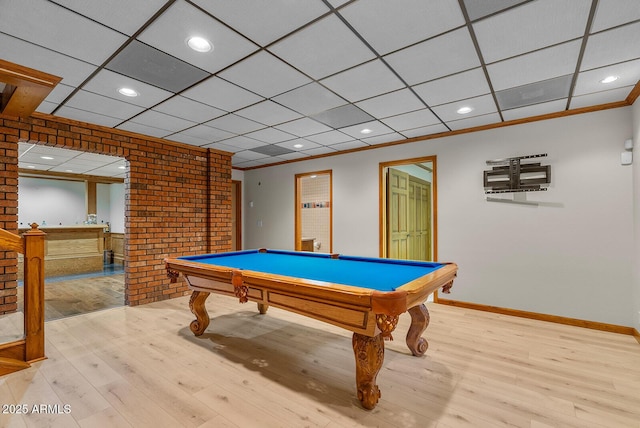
465, 110
68, 170
30, 166
298, 146
199, 44
46, 157
609, 79
122, 167
366, 131
128, 92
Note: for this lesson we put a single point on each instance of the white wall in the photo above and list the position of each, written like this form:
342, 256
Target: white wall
117, 198
63, 202
571, 255
52, 201
238, 175
636, 211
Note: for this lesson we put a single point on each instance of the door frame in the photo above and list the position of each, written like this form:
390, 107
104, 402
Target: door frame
383, 201
237, 189
298, 208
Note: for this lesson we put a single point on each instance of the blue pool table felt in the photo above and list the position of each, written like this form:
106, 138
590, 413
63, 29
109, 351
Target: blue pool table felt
372, 273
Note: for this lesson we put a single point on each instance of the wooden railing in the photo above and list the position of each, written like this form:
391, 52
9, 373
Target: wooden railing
19, 354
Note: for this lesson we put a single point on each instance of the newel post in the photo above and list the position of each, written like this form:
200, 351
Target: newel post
34, 293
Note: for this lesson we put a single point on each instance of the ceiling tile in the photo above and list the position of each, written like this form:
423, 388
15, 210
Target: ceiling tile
338, 3
590, 81
477, 9
339, 117
265, 75
59, 93
147, 64
473, 122
364, 81
106, 171
207, 133
291, 156
248, 155
540, 65
89, 101
531, 26
46, 107
374, 127
331, 137
448, 54
244, 143
221, 94
418, 19
303, 127
481, 105
107, 83
271, 136
73, 71
320, 150
349, 145
323, 48
425, 130
224, 147
125, 16
162, 120
193, 110
611, 13
235, 124
306, 144
391, 104
249, 16
535, 110
534, 93
411, 120
39, 22
181, 21
383, 139
603, 97
612, 46
310, 99
459, 86
272, 150
182, 137
268, 113
144, 129
239, 163
86, 116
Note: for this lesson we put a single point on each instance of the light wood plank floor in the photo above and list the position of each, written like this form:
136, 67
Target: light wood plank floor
142, 367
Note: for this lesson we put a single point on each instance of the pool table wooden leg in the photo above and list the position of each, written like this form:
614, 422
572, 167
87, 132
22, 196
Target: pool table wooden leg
419, 322
262, 308
369, 353
196, 304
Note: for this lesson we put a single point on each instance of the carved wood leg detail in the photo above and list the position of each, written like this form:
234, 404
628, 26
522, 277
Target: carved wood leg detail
262, 308
196, 304
369, 353
419, 322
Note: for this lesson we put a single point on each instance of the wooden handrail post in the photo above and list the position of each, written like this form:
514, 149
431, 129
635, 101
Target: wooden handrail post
34, 293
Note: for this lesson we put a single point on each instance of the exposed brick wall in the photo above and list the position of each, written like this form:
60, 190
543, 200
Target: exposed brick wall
8, 218
178, 199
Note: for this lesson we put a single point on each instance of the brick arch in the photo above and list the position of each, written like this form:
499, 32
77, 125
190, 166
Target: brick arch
178, 199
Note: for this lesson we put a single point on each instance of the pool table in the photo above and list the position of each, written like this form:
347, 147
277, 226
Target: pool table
363, 295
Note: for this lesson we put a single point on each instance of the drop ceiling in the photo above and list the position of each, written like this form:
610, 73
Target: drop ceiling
287, 80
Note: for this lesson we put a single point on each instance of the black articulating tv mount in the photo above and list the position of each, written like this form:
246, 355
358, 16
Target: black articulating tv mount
513, 175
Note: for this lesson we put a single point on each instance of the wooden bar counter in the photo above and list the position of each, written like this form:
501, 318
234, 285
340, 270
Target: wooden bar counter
71, 249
